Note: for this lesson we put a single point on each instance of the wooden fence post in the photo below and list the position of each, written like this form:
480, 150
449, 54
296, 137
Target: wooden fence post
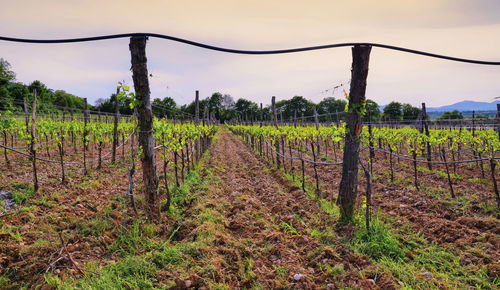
498, 120
275, 116
197, 121
349, 182
115, 127
370, 141
317, 128
85, 146
262, 115
426, 128
32, 144
146, 137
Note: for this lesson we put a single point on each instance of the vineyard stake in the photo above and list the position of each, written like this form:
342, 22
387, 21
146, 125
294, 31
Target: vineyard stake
498, 120
349, 182
317, 129
197, 122
276, 142
495, 186
426, 127
146, 138
85, 172
32, 144
115, 127
448, 173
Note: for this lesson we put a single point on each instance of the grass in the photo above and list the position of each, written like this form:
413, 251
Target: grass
378, 242
94, 227
133, 272
288, 228
421, 256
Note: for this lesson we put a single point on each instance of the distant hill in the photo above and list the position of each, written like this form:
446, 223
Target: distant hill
466, 106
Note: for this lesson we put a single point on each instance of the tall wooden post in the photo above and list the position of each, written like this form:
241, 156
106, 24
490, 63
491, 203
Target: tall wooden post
261, 115
370, 141
115, 128
197, 121
85, 145
426, 128
473, 123
205, 113
26, 118
26, 115
275, 116
349, 182
197, 108
317, 128
32, 144
498, 120
146, 138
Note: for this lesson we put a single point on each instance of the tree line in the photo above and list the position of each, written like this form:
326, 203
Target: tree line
223, 106
12, 93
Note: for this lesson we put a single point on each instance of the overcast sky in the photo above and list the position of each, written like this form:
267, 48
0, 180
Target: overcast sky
461, 28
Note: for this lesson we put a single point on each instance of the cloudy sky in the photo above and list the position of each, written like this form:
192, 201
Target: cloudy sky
461, 28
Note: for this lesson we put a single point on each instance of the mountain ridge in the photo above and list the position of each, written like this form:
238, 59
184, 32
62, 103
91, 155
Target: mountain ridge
464, 106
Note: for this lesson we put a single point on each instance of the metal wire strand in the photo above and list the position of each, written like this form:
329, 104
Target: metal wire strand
254, 52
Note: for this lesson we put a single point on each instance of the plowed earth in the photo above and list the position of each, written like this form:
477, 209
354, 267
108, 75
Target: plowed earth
255, 205
462, 223
250, 226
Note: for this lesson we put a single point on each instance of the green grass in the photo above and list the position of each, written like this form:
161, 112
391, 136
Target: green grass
133, 272
94, 227
288, 228
378, 242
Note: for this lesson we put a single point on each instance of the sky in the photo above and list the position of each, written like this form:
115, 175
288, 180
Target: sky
461, 28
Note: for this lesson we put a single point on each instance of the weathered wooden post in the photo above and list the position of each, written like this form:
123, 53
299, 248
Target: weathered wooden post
85, 146
498, 120
146, 138
370, 141
262, 115
426, 128
275, 116
26, 115
32, 144
349, 182
115, 128
317, 128
197, 121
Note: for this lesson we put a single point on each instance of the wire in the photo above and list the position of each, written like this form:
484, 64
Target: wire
254, 52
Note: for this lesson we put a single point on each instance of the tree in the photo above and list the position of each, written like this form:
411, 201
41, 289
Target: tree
410, 112
164, 108
108, 105
373, 107
6, 99
247, 109
215, 104
393, 111
330, 106
227, 102
6, 77
228, 108
6, 74
451, 115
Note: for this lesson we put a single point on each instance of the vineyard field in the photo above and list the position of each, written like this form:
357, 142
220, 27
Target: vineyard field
247, 206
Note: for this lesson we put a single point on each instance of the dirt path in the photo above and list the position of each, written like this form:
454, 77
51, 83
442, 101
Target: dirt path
267, 222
